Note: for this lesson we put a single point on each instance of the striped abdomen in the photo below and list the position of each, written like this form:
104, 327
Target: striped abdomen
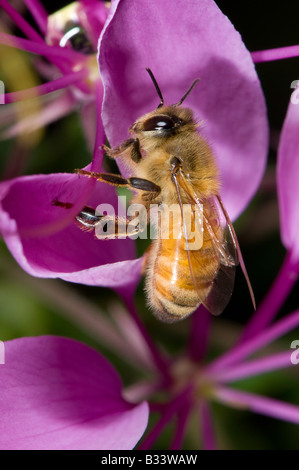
170, 285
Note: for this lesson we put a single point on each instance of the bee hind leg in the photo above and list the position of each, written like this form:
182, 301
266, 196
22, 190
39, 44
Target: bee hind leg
87, 219
117, 180
105, 226
108, 227
146, 258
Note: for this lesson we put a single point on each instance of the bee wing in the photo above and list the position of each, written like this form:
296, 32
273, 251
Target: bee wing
225, 245
227, 253
233, 238
193, 259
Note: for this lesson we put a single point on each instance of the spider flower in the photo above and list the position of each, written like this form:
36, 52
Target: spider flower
67, 45
194, 40
57, 393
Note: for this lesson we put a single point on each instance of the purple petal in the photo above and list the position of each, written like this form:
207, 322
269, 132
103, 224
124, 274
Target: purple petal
46, 242
263, 405
287, 177
192, 40
57, 393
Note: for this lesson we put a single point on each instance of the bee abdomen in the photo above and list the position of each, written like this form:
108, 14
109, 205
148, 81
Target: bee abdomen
170, 285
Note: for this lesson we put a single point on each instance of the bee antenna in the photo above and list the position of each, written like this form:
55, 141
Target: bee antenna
188, 92
156, 86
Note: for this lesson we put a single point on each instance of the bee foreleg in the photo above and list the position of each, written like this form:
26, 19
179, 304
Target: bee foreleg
109, 178
105, 226
131, 145
135, 152
112, 227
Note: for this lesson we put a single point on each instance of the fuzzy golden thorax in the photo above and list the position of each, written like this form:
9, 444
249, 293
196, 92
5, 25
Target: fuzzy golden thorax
182, 140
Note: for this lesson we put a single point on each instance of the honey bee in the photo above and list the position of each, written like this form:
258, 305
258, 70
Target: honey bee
173, 165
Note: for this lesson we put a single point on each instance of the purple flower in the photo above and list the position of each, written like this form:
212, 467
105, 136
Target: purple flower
57, 393
287, 179
67, 40
45, 241
36, 239
288, 158
190, 41
194, 385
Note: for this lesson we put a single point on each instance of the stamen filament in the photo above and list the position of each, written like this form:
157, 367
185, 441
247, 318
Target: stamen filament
237, 354
199, 333
45, 88
20, 22
39, 14
279, 53
159, 360
259, 404
207, 428
181, 425
173, 407
255, 367
274, 299
40, 48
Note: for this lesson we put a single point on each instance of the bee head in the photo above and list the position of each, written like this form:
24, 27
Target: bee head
165, 120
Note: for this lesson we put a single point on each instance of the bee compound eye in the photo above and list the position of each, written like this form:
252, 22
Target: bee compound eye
158, 123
